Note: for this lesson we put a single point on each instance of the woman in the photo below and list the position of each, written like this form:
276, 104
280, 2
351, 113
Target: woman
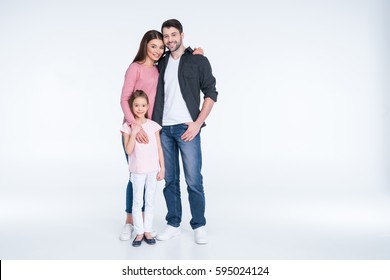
142, 74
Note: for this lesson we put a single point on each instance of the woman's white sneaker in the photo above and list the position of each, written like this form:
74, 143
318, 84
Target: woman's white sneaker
126, 233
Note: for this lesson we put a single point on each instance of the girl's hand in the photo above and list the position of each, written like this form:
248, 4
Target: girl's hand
161, 174
198, 51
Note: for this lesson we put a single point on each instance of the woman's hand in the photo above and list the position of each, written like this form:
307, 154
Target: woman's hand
198, 51
140, 134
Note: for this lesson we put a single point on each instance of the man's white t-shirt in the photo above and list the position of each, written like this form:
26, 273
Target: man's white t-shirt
175, 108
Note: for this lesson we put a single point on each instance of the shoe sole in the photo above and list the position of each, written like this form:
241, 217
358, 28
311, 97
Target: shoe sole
165, 239
127, 238
124, 239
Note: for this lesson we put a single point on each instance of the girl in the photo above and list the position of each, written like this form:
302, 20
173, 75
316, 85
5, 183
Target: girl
146, 165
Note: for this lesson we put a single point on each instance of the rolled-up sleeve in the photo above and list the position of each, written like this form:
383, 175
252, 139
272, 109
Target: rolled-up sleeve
208, 81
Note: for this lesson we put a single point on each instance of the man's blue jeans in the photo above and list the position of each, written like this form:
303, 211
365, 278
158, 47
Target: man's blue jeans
191, 155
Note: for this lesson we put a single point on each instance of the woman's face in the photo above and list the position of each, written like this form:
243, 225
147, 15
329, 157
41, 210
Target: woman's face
155, 49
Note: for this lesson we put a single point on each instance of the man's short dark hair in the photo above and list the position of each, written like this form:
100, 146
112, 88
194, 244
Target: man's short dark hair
172, 23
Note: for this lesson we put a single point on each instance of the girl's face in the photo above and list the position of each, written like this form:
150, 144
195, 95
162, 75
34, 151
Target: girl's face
155, 49
140, 107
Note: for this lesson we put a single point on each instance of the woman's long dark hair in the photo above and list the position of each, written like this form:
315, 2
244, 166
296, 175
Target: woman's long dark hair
142, 51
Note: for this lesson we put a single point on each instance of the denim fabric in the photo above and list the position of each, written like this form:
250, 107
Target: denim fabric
191, 155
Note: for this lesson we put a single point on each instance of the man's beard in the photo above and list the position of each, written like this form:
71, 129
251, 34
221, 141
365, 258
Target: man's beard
178, 45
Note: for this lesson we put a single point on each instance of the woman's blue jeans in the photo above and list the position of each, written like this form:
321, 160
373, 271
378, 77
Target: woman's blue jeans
191, 156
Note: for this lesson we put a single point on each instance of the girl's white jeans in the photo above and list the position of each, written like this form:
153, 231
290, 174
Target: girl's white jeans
147, 181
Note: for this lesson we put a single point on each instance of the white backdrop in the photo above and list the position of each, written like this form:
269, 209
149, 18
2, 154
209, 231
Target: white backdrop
303, 112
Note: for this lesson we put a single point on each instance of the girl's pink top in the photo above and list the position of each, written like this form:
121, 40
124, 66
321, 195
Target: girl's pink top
145, 157
138, 77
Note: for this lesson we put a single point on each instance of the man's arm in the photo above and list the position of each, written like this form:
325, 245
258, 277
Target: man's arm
194, 127
207, 82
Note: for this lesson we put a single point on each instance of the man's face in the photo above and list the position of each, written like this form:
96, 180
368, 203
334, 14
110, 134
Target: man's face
172, 38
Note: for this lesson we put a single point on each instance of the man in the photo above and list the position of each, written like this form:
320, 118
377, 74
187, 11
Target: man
182, 77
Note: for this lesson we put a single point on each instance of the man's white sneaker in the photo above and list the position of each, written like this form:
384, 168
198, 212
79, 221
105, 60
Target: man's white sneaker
200, 235
126, 233
168, 233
